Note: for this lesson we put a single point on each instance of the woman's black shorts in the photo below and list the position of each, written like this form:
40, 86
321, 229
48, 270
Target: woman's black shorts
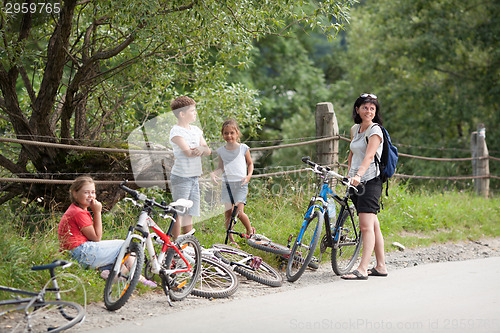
368, 196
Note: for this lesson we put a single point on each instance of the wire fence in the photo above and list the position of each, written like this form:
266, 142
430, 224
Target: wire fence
306, 141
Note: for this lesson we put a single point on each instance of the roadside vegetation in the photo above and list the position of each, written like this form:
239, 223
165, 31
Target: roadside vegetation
413, 218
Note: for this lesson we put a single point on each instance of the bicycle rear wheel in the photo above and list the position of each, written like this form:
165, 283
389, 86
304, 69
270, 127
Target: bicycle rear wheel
303, 249
180, 285
217, 280
263, 243
346, 250
252, 267
47, 316
120, 286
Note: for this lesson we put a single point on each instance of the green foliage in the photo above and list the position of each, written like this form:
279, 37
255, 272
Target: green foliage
434, 66
423, 218
100, 69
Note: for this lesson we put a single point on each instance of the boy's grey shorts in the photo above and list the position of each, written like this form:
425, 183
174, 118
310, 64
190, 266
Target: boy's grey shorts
186, 188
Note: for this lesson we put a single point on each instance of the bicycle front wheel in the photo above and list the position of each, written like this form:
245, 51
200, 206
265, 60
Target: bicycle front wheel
303, 248
217, 280
47, 316
263, 243
345, 250
180, 285
248, 265
120, 286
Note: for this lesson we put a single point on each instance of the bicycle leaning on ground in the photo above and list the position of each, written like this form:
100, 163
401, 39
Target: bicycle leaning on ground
263, 243
218, 280
42, 311
250, 266
344, 237
178, 271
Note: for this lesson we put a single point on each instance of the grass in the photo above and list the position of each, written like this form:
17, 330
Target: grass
275, 209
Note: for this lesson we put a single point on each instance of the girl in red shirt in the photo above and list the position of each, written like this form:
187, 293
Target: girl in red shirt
81, 235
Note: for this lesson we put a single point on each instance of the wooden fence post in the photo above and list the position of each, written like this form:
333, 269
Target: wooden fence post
326, 126
480, 167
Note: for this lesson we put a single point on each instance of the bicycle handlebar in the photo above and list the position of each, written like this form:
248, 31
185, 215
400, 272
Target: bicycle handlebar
150, 202
321, 169
52, 265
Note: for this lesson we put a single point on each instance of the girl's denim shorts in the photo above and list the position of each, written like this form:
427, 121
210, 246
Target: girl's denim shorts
238, 191
97, 254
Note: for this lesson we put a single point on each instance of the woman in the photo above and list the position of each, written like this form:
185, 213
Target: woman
366, 141
81, 235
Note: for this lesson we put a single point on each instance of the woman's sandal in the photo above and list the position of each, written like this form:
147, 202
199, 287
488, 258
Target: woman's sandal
374, 272
357, 276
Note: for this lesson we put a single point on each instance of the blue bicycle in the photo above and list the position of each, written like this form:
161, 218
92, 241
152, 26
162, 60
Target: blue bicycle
343, 237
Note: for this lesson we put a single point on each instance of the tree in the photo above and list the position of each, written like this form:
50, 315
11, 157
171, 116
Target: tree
288, 74
88, 72
435, 67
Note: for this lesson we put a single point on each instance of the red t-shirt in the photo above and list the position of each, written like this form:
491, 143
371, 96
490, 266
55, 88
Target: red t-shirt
72, 222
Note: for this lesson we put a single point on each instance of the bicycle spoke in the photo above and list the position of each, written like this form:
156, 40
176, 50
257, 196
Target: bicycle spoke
50, 316
303, 249
346, 251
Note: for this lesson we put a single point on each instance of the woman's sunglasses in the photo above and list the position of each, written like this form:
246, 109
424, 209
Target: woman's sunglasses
368, 95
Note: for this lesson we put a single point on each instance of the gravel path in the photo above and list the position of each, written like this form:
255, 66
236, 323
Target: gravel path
155, 304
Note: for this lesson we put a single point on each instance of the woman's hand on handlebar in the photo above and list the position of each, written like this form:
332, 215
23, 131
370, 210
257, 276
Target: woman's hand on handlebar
356, 180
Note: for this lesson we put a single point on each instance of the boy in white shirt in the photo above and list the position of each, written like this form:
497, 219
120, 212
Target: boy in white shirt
188, 145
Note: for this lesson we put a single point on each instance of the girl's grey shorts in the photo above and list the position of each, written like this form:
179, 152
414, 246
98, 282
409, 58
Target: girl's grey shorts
238, 191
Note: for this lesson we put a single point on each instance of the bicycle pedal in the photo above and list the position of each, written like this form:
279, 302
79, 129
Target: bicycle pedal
256, 262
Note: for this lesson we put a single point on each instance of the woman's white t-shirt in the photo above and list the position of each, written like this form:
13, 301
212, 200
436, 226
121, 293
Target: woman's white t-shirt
358, 148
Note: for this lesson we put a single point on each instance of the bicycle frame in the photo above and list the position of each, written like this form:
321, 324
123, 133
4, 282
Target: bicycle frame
210, 253
142, 227
41, 294
31, 306
156, 267
344, 204
181, 272
321, 197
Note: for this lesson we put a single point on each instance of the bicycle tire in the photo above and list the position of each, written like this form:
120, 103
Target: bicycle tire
47, 316
148, 274
217, 280
180, 285
303, 251
313, 264
263, 243
264, 274
346, 251
119, 287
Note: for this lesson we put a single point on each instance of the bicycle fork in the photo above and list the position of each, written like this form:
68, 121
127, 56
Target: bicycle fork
305, 223
131, 236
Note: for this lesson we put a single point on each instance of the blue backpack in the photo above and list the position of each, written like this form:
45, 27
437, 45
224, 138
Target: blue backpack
389, 159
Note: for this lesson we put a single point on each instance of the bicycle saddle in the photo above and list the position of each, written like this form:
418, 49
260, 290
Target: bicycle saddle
183, 203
